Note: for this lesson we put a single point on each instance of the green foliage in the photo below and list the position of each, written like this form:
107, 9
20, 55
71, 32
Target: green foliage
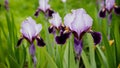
53, 55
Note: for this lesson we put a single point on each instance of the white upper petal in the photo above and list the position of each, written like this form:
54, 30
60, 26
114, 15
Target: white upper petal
110, 4
68, 19
78, 21
30, 29
56, 20
44, 5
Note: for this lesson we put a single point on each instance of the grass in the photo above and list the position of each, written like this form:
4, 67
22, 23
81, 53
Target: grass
53, 55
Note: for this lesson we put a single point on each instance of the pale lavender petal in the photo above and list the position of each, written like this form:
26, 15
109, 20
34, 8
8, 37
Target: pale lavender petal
88, 21
68, 19
77, 46
44, 5
38, 28
110, 4
81, 22
30, 29
56, 20
32, 50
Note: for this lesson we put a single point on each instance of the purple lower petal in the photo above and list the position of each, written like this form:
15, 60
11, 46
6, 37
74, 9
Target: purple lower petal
50, 12
77, 46
40, 42
37, 12
96, 37
102, 13
32, 50
62, 38
117, 10
51, 29
19, 41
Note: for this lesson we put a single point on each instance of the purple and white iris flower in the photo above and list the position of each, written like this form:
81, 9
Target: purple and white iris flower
30, 31
78, 23
108, 7
56, 25
45, 8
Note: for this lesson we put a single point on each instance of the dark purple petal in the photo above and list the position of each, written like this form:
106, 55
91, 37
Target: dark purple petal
40, 42
96, 37
37, 12
19, 41
51, 29
117, 10
78, 46
32, 50
102, 13
62, 38
50, 12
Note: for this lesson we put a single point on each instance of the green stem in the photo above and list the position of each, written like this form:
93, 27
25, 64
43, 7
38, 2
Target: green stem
69, 55
65, 7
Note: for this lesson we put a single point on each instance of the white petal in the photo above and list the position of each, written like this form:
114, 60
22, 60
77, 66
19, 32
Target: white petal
81, 22
29, 28
68, 19
44, 5
56, 20
110, 4
38, 28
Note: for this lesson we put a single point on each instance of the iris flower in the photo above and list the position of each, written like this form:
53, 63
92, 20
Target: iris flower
77, 23
45, 8
30, 31
108, 7
56, 25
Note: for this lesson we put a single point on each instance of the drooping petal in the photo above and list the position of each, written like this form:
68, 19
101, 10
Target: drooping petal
32, 50
37, 12
56, 20
40, 42
117, 10
51, 29
50, 12
77, 46
96, 37
109, 4
62, 38
19, 41
102, 13
44, 5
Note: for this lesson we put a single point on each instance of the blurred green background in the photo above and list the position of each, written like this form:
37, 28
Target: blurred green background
53, 55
